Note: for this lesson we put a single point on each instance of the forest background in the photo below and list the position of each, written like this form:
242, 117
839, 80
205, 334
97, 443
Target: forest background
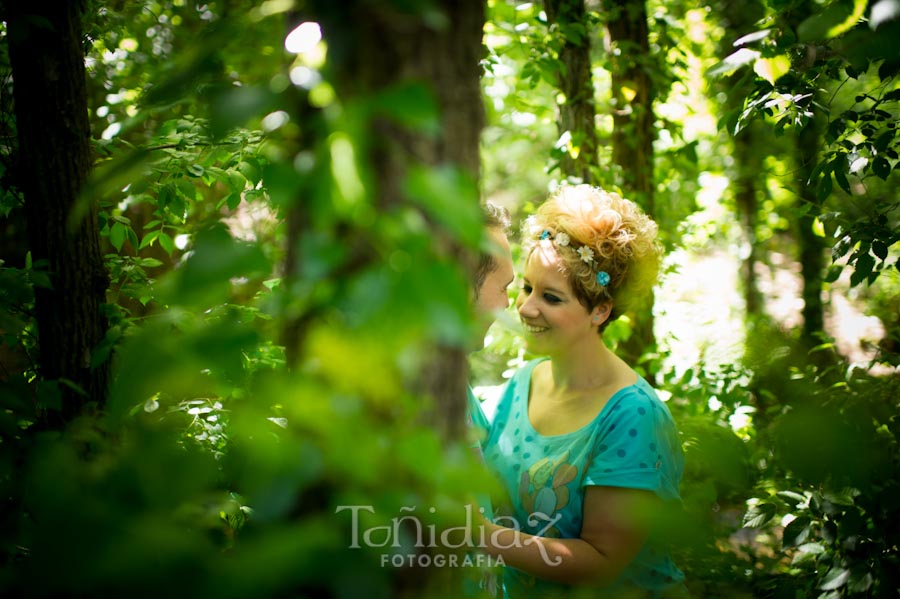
232, 296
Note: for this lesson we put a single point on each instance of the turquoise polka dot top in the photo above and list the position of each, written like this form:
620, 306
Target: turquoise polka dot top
631, 443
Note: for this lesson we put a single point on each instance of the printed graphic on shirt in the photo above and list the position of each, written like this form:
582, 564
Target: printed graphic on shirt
543, 490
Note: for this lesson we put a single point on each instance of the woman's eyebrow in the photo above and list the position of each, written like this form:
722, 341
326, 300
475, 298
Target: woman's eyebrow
550, 289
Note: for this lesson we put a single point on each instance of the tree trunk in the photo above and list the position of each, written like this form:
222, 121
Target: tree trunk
633, 97
633, 132
748, 166
373, 47
739, 17
49, 90
812, 247
576, 115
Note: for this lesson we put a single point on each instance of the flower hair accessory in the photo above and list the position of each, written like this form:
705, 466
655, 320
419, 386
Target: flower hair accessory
586, 254
603, 278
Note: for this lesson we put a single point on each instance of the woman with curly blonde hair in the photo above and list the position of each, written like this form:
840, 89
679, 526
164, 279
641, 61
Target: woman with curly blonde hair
586, 450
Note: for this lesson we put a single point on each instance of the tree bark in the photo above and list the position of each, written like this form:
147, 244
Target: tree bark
812, 247
49, 90
373, 47
576, 115
633, 115
633, 131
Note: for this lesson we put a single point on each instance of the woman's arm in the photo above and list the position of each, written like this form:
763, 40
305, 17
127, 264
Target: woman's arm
614, 528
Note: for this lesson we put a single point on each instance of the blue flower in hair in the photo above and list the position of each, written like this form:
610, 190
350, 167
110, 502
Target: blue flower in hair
545, 234
603, 278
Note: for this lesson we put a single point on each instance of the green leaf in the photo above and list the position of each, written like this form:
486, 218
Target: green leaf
236, 182
772, 69
734, 61
881, 167
195, 170
860, 584
833, 273
796, 532
216, 259
186, 189
843, 497
752, 37
880, 249
884, 140
149, 238
166, 243
131, 236
814, 548
759, 515
835, 578
450, 197
863, 268
251, 170
117, 236
104, 348
841, 248
792, 498
832, 22
841, 179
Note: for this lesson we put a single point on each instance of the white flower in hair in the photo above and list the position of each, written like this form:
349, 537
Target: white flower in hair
586, 253
561, 239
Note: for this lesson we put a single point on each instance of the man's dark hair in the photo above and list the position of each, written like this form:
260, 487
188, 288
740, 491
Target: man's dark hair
495, 218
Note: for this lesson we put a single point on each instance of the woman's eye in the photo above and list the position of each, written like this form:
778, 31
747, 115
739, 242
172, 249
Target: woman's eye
551, 298
526, 288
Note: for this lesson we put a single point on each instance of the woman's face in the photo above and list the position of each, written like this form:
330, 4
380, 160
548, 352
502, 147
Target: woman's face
550, 312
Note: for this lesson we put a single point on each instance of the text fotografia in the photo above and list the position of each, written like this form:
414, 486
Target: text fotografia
466, 536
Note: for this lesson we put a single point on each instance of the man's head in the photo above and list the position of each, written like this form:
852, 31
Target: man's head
495, 272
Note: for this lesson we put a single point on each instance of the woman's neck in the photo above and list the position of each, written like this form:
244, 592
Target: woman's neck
584, 366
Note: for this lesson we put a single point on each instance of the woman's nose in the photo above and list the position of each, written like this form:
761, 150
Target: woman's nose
524, 305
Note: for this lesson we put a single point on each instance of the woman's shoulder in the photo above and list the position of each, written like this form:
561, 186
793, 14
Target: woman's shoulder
531, 369
640, 396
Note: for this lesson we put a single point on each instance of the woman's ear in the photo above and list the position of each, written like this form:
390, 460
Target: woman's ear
600, 313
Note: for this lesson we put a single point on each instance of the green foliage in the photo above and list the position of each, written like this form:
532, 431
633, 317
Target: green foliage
835, 469
216, 464
854, 62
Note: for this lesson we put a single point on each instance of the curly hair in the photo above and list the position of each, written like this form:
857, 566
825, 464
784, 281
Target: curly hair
621, 238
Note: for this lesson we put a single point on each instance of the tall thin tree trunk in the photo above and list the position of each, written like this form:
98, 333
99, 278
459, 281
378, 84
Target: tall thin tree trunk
812, 247
49, 90
576, 115
633, 95
746, 186
633, 132
375, 46
739, 17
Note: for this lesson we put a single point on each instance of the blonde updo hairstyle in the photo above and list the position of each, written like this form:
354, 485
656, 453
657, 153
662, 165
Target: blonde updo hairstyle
622, 237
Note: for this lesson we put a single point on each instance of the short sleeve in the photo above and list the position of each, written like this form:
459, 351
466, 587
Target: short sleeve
634, 447
477, 418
